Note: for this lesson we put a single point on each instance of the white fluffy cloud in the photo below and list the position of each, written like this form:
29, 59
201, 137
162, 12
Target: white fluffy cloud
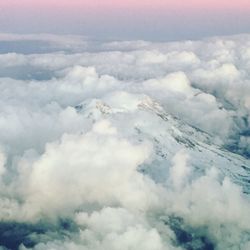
95, 168
125, 145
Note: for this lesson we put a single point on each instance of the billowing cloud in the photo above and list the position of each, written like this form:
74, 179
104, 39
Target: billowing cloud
125, 145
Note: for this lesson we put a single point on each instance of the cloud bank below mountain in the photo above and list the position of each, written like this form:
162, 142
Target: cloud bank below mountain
80, 122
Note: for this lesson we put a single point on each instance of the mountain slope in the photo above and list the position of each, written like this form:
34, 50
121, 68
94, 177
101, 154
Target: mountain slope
147, 120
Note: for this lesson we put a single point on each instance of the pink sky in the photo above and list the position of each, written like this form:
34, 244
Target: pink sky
172, 4
139, 19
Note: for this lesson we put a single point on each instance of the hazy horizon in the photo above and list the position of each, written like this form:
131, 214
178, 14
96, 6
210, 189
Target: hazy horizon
147, 20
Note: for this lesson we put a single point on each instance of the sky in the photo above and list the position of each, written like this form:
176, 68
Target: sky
148, 19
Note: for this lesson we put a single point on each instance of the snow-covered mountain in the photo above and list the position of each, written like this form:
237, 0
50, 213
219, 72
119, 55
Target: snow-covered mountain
143, 119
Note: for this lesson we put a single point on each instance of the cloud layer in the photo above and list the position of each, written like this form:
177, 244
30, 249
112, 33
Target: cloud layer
125, 145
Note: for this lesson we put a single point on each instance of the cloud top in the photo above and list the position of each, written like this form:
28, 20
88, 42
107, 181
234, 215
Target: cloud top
125, 145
